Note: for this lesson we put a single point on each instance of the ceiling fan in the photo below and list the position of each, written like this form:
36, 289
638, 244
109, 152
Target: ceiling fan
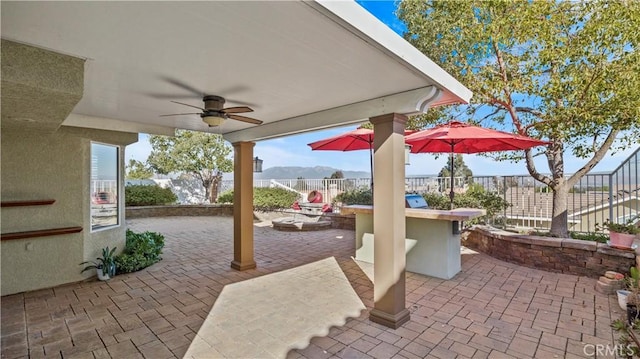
214, 114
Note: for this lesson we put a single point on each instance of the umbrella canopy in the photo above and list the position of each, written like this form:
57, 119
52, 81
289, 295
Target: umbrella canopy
358, 139
459, 137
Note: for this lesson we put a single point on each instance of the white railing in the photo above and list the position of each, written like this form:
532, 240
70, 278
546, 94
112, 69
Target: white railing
110, 186
330, 188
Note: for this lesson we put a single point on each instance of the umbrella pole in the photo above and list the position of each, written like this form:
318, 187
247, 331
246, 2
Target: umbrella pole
451, 194
371, 164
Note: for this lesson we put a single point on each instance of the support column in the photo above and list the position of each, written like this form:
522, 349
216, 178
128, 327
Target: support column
243, 206
389, 221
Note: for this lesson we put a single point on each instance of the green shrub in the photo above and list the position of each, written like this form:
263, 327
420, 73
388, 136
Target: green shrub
590, 236
141, 250
437, 200
475, 197
266, 199
361, 196
145, 195
226, 197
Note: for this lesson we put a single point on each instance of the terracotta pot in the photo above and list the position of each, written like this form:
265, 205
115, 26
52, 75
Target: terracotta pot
621, 239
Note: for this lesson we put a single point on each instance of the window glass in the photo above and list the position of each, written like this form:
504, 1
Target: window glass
104, 186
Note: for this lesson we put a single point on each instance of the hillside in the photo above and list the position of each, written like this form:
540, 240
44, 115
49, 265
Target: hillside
306, 172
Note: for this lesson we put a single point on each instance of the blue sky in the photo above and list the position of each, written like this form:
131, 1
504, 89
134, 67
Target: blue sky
293, 150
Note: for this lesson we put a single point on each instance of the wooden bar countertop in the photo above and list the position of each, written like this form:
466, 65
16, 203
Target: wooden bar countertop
458, 214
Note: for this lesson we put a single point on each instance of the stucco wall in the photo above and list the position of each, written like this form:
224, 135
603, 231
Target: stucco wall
562, 255
51, 166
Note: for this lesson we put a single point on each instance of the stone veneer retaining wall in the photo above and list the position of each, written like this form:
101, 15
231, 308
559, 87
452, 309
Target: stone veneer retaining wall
562, 255
337, 220
179, 210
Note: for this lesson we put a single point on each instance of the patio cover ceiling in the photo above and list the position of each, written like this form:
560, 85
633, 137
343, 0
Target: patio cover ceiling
301, 66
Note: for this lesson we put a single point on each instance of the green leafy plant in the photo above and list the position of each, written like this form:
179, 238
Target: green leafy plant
266, 199
141, 250
590, 236
226, 197
628, 228
106, 262
475, 197
361, 196
145, 195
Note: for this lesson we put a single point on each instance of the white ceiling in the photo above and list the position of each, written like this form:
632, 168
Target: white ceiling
284, 59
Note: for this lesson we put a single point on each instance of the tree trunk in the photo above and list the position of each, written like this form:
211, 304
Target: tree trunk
559, 220
215, 187
207, 189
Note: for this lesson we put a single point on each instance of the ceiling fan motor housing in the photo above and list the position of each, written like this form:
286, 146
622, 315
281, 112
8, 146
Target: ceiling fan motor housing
213, 102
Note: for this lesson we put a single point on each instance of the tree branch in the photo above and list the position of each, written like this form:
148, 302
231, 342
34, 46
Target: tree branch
533, 171
530, 110
491, 114
507, 91
597, 156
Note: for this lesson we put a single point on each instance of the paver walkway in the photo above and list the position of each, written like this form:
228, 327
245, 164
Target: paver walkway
184, 304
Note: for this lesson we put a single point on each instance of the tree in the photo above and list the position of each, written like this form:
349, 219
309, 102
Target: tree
336, 175
568, 72
460, 169
301, 184
137, 170
202, 155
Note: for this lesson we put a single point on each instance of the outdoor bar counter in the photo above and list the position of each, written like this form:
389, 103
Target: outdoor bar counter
433, 238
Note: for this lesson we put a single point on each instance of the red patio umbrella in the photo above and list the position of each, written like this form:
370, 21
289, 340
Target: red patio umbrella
459, 137
358, 139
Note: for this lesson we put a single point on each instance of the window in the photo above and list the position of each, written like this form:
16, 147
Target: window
104, 186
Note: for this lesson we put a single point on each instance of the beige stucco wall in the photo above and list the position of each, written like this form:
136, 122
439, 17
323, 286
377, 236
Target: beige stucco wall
51, 166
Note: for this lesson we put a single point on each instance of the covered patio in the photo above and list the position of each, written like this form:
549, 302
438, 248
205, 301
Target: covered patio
307, 298
79, 75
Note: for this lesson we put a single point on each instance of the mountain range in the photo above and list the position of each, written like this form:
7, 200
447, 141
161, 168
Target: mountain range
290, 172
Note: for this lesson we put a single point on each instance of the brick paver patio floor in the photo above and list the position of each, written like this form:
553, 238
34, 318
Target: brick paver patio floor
307, 299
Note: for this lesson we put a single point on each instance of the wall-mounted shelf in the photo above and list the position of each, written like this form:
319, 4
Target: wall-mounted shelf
40, 233
34, 202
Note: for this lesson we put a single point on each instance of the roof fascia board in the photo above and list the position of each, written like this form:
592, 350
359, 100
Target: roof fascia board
363, 24
409, 102
110, 124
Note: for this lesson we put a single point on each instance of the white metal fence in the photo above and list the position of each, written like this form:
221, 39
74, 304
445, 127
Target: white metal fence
330, 188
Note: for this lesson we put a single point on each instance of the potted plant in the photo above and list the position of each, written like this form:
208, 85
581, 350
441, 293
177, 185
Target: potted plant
633, 297
628, 330
620, 235
105, 266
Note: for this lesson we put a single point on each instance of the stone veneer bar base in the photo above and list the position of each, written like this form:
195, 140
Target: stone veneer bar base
561, 255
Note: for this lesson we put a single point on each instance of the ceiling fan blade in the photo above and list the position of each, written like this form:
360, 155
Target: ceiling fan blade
182, 85
237, 109
163, 96
245, 119
186, 104
180, 114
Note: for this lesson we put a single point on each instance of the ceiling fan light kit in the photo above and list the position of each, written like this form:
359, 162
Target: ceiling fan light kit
212, 120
